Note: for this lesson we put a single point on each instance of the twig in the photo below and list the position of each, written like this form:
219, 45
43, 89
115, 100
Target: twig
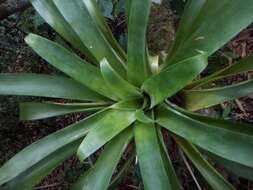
46, 186
190, 169
240, 106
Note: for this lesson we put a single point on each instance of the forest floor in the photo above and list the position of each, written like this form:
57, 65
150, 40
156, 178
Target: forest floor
16, 57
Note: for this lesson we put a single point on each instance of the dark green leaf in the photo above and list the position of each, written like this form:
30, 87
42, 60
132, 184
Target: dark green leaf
151, 164
78, 16
198, 99
45, 86
36, 152
34, 175
215, 179
167, 82
206, 33
98, 177
138, 68
53, 17
223, 142
120, 87
104, 130
244, 65
35, 110
69, 63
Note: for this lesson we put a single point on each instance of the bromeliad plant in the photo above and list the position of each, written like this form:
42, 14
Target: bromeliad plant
131, 96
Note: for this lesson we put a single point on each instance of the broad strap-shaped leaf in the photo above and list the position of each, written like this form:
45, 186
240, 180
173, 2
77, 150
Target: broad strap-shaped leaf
221, 123
99, 176
138, 68
237, 169
36, 110
223, 142
53, 17
191, 11
243, 65
175, 184
99, 20
151, 163
68, 63
215, 179
169, 81
142, 117
122, 172
104, 130
131, 104
119, 86
77, 15
198, 99
127, 8
209, 34
38, 151
34, 175
45, 86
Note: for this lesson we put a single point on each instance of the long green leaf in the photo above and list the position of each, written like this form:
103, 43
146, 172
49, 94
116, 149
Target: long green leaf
151, 164
175, 184
223, 142
122, 172
35, 110
104, 130
198, 99
98, 177
53, 17
207, 34
77, 15
237, 169
191, 11
99, 20
167, 82
244, 65
215, 179
138, 68
34, 175
120, 87
36, 152
45, 86
69, 63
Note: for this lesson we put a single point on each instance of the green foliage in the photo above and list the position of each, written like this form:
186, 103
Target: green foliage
132, 96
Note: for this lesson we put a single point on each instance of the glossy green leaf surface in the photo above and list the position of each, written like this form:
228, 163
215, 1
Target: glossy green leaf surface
198, 99
237, 169
100, 22
45, 86
119, 86
53, 17
151, 164
104, 130
122, 173
167, 82
191, 11
36, 152
36, 110
220, 141
175, 184
206, 32
77, 15
68, 63
215, 179
243, 65
138, 68
34, 175
98, 177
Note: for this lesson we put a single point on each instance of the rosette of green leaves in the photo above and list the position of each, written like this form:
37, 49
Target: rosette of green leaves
130, 96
